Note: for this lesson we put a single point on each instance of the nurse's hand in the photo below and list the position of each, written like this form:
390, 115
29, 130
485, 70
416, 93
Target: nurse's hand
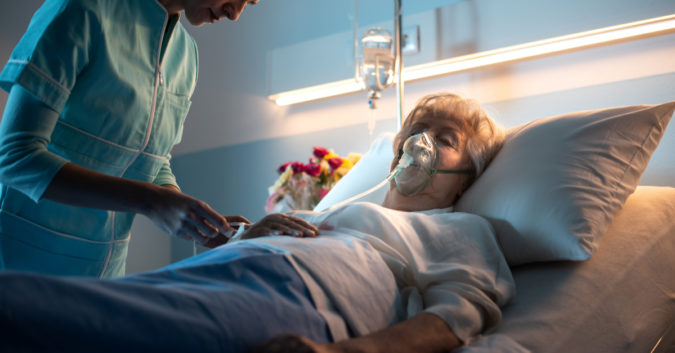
281, 224
189, 218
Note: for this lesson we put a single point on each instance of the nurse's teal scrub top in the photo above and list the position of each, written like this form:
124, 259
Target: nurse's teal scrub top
122, 89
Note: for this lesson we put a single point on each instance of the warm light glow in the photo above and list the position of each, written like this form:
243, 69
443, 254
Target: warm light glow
490, 57
316, 92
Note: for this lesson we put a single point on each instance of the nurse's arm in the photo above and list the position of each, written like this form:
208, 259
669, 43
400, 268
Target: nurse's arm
171, 210
28, 166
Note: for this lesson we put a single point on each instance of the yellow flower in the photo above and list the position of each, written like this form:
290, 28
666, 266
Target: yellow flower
340, 172
354, 157
346, 163
330, 155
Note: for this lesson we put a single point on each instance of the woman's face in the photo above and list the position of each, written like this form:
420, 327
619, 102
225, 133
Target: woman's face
199, 12
444, 188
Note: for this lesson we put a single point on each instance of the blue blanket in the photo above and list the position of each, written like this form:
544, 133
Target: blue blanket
225, 300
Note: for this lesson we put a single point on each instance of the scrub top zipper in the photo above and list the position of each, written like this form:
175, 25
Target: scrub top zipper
167, 30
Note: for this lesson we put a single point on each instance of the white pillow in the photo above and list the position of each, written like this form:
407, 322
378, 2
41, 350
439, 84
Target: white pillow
372, 169
557, 183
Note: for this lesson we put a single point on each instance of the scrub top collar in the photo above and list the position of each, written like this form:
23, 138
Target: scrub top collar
168, 31
170, 21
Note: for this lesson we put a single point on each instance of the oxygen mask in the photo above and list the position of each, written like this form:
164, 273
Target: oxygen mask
417, 164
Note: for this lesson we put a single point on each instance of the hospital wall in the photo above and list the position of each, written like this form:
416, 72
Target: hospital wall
235, 137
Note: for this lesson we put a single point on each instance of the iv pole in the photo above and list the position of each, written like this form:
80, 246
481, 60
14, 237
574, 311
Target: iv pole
398, 62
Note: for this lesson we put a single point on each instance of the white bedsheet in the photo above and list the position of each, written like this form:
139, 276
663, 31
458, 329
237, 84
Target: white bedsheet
441, 262
620, 301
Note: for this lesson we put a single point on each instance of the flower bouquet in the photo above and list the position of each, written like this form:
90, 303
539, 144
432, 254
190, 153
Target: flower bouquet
301, 186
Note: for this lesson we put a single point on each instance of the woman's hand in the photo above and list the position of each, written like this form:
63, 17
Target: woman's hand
281, 224
290, 343
424, 333
189, 218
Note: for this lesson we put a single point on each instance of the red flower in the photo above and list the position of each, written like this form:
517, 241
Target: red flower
322, 192
312, 169
282, 168
320, 152
297, 167
335, 163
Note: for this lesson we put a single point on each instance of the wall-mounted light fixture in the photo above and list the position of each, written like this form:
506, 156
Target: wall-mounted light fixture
490, 57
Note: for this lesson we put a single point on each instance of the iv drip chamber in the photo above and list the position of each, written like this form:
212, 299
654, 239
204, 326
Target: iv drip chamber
376, 70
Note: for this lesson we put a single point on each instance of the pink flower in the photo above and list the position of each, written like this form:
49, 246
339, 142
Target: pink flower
335, 163
271, 201
320, 152
322, 192
298, 167
282, 168
312, 169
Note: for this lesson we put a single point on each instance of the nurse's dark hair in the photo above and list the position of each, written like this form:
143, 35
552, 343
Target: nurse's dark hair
484, 138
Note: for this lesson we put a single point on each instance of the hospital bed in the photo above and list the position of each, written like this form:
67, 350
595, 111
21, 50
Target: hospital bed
620, 299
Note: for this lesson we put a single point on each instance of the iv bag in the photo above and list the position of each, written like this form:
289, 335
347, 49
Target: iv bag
376, 71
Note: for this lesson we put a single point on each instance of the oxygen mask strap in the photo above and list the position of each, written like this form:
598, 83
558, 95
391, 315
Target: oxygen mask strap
451, 171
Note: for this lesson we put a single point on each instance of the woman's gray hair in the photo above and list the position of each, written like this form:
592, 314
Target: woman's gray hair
484, 138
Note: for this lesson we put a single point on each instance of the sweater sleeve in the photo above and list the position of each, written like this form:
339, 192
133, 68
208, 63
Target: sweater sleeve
462, 275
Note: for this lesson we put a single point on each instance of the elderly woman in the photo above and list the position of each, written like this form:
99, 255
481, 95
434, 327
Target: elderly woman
407, 276
466, 140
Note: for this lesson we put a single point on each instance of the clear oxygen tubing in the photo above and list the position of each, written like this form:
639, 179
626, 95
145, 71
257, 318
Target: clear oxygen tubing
416, 166
356, 197
404, 162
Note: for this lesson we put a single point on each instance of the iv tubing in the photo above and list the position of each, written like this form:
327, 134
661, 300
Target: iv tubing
356, 40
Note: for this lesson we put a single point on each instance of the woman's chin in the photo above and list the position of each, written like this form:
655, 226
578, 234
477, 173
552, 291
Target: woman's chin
396, 201
420, 202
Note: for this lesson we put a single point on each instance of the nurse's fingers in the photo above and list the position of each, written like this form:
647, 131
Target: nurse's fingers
210, 222
215, 242
190, 232
202, 226
237, 219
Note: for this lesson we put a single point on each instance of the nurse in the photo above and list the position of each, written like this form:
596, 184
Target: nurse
98, 91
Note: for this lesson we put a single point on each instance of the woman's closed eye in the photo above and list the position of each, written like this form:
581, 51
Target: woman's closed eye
447, 141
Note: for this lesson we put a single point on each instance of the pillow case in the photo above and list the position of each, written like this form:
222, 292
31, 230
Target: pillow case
372, 168
557, 182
